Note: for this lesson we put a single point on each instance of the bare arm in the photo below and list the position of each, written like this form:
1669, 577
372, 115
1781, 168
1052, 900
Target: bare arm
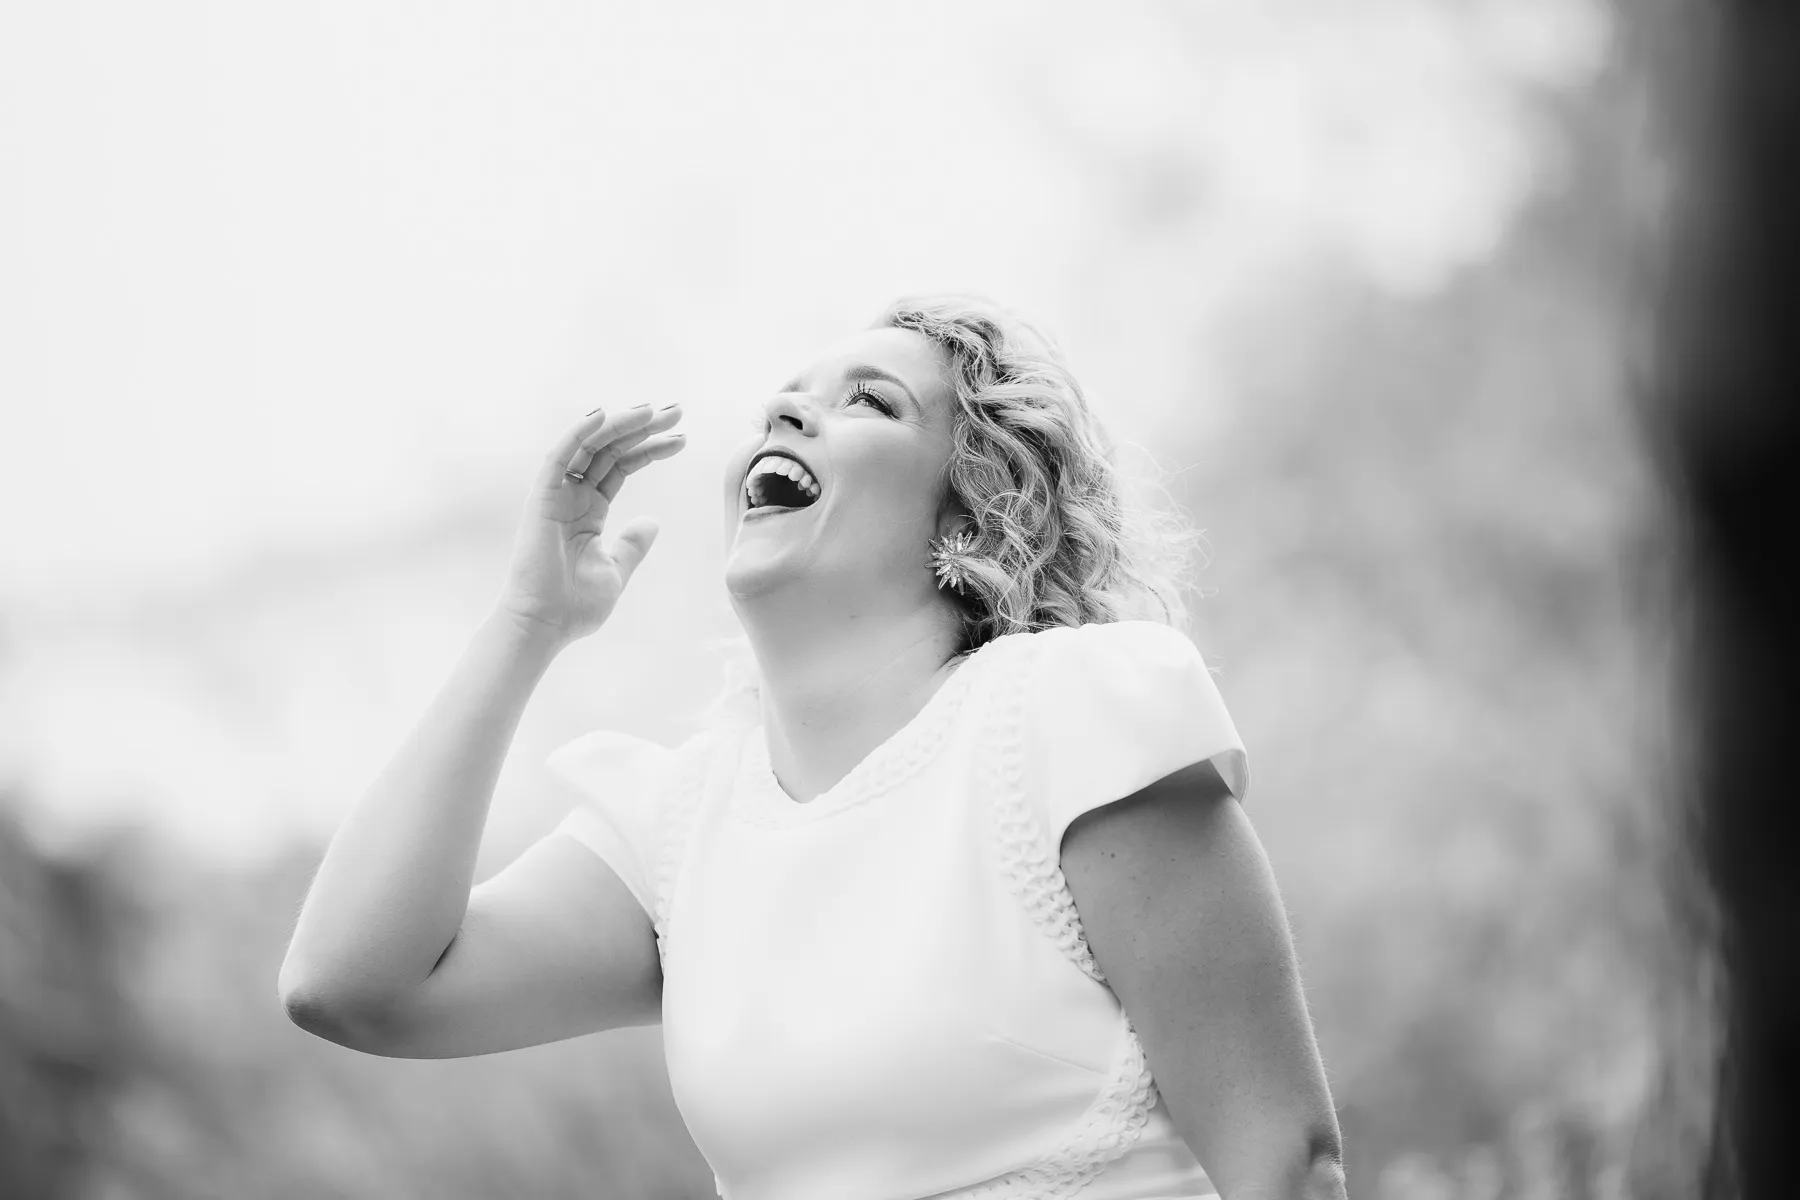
395, 882
394, 952
552, 947
1181, 911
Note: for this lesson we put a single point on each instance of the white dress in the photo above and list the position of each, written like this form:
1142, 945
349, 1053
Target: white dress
885, 993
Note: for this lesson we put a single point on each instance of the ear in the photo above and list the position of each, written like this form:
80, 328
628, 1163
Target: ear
953, 516
950, 524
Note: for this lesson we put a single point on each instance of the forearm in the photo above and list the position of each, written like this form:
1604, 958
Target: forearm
393, 887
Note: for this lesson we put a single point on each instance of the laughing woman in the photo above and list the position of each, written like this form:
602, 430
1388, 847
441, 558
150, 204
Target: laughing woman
953, 896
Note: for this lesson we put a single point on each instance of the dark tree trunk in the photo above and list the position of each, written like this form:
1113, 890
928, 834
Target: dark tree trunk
1732, 339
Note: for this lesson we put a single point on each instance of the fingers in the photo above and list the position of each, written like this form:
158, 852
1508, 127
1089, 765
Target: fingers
557, 461
635, 458
594, 453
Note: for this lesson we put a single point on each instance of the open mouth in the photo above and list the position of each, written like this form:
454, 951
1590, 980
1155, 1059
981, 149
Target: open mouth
777, 482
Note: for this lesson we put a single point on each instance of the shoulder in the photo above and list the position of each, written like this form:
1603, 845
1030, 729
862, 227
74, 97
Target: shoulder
631, 781
632, 800
606, 752
1104, 710
609, 755
1098, 645
1134, 663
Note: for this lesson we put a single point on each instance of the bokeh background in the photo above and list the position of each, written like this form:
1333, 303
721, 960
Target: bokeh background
292, 298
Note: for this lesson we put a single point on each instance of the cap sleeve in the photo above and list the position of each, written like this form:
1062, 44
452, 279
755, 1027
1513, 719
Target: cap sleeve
618, 781
1111, 708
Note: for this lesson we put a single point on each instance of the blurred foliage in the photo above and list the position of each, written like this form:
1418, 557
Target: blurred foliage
60, 1017
1448, 593
1451, 593
147, 1056
1450, 560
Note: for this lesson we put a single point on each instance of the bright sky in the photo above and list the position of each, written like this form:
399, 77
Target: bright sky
292, 297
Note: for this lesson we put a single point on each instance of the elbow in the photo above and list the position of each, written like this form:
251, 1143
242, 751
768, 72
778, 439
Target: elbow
1292, 1166
310, 1005
310, 1011
328, 1013
306, 1004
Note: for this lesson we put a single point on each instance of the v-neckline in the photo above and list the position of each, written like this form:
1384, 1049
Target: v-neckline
763, 801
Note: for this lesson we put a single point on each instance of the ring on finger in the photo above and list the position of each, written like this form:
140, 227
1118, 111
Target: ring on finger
573, 476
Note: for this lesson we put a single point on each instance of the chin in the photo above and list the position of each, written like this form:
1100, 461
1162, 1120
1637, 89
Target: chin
753, 571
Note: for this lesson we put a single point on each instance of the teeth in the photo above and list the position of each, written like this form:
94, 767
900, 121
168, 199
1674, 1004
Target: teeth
776, 465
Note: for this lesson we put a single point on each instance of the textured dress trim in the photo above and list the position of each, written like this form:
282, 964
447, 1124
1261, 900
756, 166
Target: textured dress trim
1112, 1124
888, 766
1032, 866
1116, 1119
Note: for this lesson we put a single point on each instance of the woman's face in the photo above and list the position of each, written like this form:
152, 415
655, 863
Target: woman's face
869, 423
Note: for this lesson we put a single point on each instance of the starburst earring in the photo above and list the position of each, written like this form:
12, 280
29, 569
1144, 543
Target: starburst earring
948, 555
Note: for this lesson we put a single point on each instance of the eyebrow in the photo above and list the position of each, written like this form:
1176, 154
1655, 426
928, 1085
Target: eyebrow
862, 372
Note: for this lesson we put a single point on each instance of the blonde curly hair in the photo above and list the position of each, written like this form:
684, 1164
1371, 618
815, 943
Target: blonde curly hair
1055, 537
1057, 541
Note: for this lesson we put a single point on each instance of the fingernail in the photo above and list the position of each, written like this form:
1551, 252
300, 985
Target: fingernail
667, 407
592, 411
639, 407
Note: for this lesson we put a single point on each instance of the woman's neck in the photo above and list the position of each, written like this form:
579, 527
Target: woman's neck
834, 691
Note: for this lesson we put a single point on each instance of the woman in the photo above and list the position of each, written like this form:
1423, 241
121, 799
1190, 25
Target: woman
954, 898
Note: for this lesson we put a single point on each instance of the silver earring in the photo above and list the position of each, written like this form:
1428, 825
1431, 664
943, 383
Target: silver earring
947, 554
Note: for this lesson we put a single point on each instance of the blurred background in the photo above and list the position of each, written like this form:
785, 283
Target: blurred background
293, 298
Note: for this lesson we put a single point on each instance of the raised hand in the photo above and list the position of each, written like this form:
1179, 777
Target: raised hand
562, 582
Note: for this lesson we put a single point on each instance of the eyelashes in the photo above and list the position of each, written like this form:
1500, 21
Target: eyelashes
759, 423
859, 390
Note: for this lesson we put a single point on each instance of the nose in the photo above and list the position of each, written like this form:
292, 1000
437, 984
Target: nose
793, 409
